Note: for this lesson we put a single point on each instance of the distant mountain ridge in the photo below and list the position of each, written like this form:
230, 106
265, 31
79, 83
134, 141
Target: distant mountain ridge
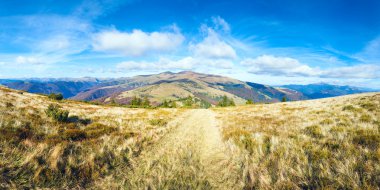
174, 86
324, 90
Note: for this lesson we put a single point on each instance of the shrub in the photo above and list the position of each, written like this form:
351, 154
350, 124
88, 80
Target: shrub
367, 138
226, 102
56, 113
54, 96
326, 122
96, 130
369, 106
189, 101
205, 104
283, 99
158, 122
168, 104
8, 105
137, 102
365, 118
314, 131
249, 101
349, 108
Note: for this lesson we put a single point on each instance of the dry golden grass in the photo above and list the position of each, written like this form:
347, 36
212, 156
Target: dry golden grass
94, 145
319, 144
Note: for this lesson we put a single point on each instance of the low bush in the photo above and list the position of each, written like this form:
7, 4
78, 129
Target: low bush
314, 131
158, 122
368, 105
8, 105
96, 130
55, 112
367, 138
225, 102
349, 108
365, 118
54, 96
249, 101
74, 134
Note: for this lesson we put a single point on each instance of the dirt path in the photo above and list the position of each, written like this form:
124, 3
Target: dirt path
193, 156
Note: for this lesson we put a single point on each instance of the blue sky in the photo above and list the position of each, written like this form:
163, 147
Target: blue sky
266, 41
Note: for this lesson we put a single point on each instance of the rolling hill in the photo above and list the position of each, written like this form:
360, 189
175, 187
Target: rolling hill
176, 87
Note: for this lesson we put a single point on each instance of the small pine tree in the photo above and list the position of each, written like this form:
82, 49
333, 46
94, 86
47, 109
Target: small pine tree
113, 102
189, 101
136, 102
205, 104
173, 104
231, 102
55, 112
165, 104
146, 102
226, 102
283, 99
223, 102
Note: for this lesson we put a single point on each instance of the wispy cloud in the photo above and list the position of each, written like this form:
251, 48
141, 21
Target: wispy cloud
94, 8
286, 66
371, 52
221, 24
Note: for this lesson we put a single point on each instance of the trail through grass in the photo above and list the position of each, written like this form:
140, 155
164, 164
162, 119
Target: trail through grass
193, 156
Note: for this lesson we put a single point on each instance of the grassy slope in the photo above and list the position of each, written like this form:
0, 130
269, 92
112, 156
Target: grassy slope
328, 143
38, 152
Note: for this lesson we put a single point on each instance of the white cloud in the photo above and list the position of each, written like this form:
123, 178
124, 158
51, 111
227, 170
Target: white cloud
137, 42
285, 66
29, 60
213, 47
268, 64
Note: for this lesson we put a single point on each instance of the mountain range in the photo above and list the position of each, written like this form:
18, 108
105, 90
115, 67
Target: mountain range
175, 86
